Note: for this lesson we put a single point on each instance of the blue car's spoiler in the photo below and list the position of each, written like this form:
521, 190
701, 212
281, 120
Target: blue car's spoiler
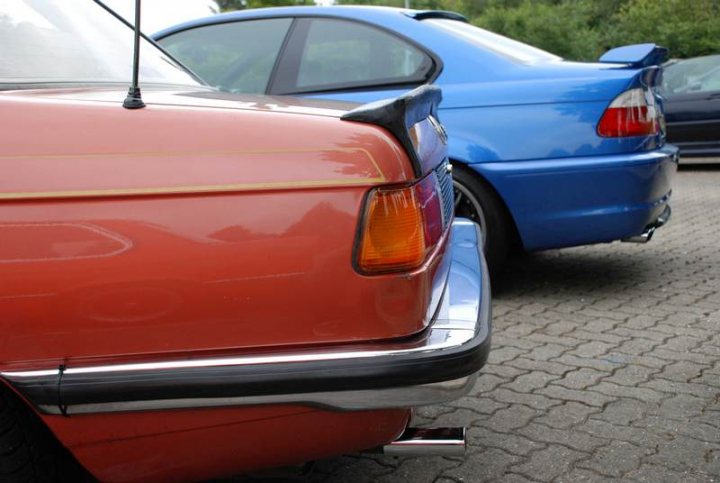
636, 56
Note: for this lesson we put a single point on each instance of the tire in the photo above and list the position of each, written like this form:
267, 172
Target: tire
28, 451
476, 199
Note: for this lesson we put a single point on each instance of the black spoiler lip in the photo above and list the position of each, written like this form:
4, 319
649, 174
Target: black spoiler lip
443, 14
399, 115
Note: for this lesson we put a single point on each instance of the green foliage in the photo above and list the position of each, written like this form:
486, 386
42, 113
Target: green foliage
687, 28
242, 4
563, 28
574, 29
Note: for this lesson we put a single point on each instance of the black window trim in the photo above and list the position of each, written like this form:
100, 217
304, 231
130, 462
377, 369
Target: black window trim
294, 44
432, 75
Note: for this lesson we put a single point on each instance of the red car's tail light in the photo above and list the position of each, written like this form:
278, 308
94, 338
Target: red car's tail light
401, 226
632, 113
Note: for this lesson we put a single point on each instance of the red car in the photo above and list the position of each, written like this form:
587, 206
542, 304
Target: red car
215, 284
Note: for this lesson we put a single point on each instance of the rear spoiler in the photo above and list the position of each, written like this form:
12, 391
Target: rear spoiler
636, 56
399, 115
426, 14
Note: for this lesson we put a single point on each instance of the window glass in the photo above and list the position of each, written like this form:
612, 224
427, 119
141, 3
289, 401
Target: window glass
509, 48
701, 74
75, 41
236, 56
339, 52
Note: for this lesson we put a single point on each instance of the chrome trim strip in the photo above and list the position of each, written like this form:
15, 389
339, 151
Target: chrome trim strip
440, 338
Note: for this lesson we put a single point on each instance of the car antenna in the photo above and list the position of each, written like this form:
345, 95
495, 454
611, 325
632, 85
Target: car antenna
134, 97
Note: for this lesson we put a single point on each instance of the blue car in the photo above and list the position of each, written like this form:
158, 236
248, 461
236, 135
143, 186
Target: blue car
546, 153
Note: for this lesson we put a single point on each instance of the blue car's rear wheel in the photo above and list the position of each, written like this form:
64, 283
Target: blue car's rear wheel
476, 200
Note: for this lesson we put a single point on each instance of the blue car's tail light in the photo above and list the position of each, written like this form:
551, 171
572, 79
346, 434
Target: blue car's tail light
632, 113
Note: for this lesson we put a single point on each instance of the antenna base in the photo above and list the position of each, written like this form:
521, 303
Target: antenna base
133, 99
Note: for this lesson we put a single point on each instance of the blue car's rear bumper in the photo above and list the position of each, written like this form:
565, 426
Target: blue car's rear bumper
576, 201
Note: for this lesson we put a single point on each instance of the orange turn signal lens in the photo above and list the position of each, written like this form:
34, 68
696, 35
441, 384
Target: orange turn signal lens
401, 226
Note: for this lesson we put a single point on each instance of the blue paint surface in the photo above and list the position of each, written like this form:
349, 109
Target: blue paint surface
529, 129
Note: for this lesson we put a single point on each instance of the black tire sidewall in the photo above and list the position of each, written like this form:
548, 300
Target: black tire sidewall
497, 230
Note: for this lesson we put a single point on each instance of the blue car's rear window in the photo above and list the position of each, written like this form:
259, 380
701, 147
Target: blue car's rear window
509, 48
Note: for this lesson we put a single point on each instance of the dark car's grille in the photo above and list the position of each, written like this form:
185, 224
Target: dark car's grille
444, 177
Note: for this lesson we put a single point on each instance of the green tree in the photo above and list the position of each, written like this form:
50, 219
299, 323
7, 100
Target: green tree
574, 29
562, 28
687, 28
242, 4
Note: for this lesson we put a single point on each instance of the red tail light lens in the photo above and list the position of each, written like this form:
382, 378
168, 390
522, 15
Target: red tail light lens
400, 228
632, 113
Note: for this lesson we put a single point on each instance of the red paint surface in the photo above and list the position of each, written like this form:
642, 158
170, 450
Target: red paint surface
201, 444
146, 277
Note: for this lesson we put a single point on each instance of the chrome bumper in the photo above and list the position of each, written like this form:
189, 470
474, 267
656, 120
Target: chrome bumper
436, 366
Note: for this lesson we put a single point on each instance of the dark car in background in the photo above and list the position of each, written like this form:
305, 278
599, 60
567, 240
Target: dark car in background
692, 106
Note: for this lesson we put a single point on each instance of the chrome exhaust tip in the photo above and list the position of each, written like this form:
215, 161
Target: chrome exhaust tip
428, 442
647, 234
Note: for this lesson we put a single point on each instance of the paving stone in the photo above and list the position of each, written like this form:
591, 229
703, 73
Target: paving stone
640, 322
573, 439
660, 474
504, 354
682, 454
694, 428
682, 406
672, 387
418, 470
646, 395
590, 398
621, 412
513, 443
637, 436
682, 371
615, 459
480, 404
605, 365
548, 464
631, 375
513, 478
579, 475
504, 371
592, 349
549, 367
514, 417
600, 325
482, 466
639, 334
560, 327
581, 378
546, 352
681, 343
636, 346
611, 339
555, 340
530, 382
567, 415
535, 401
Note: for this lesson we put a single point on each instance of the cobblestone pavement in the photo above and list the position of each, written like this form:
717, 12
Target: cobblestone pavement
605, 366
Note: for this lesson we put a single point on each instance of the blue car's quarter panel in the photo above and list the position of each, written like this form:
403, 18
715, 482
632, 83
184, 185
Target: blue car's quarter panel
575, 201
530, 129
